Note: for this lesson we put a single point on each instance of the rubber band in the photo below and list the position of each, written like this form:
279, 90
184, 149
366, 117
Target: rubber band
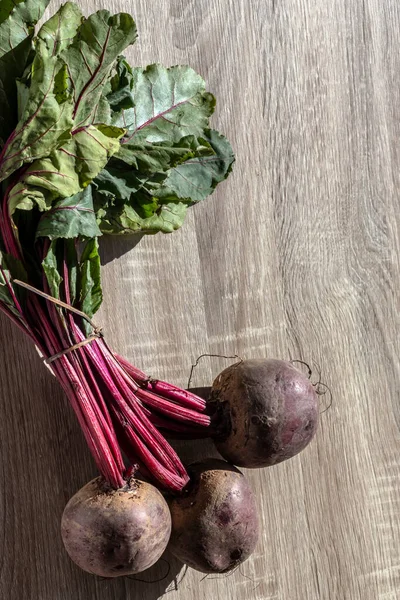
88, 340
97, 331
76, 311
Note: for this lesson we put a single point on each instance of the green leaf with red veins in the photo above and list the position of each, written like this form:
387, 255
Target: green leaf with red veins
70, 218
169, 104
90, 58
131, 200
66, 86
167, 218
17, 20
197, 177
47, 120
142, 215
59, 31
168, 160
67, 170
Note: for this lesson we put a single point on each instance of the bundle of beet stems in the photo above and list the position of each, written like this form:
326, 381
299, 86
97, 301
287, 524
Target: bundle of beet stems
118, 406
91, 146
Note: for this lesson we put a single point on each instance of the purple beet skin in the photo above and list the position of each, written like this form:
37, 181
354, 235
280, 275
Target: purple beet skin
268, 411
215, 522
111, 532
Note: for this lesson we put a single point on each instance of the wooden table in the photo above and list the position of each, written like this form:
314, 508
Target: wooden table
296, 256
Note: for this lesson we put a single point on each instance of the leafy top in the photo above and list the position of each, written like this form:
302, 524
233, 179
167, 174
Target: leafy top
65, 87
90, 145
17, 20
168, 159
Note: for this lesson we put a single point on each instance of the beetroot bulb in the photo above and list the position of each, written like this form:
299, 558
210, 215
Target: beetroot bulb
266, 411
113, 532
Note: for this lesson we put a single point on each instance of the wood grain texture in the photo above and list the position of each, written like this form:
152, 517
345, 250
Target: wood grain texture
296, 256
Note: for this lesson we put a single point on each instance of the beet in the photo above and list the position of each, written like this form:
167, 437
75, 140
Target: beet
111, 532
215, 523
268, 411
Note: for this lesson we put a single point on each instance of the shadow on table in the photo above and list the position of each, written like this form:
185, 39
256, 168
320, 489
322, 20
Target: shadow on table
161, 579
113, 247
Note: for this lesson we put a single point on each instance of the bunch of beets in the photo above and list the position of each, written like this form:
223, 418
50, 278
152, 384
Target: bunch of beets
90, 145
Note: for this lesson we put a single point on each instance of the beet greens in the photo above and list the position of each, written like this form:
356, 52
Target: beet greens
96, 146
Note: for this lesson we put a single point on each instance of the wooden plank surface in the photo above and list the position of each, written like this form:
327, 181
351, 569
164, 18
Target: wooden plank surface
296, 256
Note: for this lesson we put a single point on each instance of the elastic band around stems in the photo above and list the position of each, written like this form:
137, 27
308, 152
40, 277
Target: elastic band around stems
97, 331
88, 340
